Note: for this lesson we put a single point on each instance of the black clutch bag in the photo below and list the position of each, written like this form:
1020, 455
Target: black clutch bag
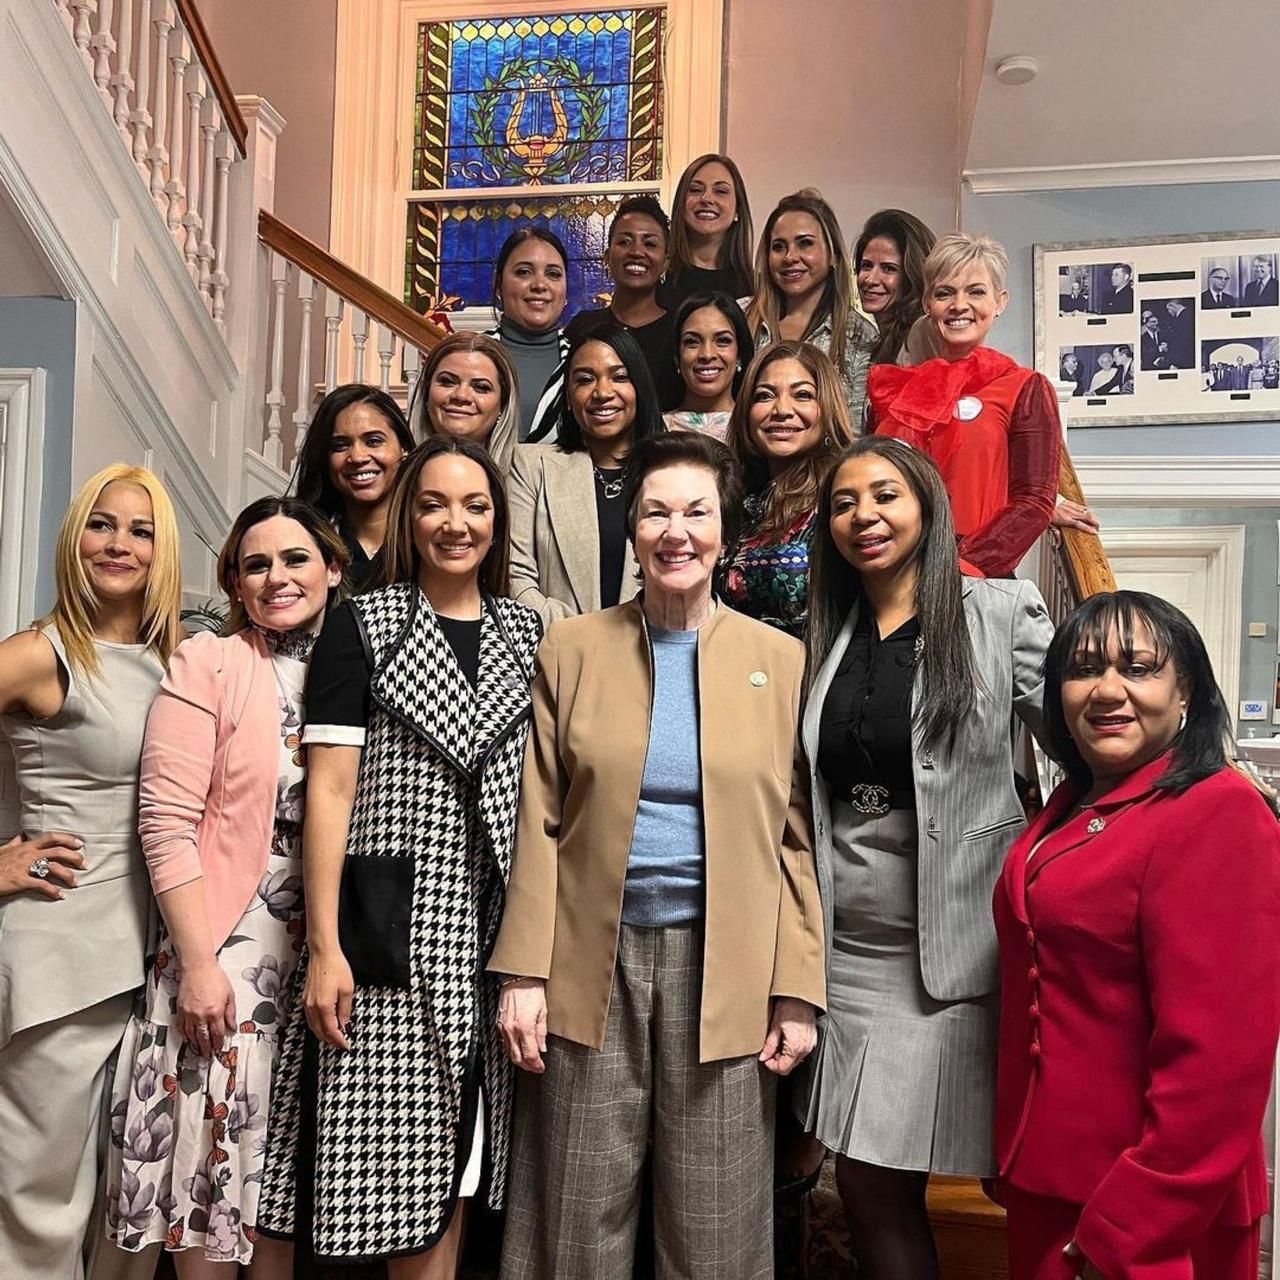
375, 911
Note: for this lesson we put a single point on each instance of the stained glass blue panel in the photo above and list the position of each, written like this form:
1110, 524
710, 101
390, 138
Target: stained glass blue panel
539, 100
452, 248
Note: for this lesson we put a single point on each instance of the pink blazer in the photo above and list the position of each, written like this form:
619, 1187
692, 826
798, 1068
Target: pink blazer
210, 765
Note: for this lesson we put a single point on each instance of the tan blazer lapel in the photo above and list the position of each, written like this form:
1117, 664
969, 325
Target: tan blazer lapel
571, 504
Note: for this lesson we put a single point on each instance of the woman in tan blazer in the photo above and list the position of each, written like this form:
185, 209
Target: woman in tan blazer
569, 549
662, 936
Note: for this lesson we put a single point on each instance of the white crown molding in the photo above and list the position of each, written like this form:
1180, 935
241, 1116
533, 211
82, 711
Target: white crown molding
1127, 173
1147, 480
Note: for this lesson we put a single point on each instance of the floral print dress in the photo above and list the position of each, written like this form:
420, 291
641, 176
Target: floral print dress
188, 1132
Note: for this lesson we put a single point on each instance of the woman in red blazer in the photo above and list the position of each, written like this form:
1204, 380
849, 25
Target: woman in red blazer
1140, 943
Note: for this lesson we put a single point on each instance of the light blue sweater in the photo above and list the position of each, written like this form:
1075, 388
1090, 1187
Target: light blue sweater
665, 873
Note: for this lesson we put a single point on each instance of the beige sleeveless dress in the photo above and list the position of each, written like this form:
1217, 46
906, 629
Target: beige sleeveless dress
69, 969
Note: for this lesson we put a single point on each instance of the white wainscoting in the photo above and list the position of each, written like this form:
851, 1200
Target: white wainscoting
22, 399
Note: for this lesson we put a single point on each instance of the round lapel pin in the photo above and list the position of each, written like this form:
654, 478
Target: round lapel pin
758, 678
968, 408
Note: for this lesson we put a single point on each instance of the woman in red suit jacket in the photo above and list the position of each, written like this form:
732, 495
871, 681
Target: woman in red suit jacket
991, 425
1140, 944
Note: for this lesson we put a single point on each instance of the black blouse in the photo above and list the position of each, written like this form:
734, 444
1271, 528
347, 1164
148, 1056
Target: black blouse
865, 731
657, 343
611, 520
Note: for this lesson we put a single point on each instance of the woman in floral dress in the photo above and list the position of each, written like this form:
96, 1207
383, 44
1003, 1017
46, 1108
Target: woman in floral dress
221, 819
791, 416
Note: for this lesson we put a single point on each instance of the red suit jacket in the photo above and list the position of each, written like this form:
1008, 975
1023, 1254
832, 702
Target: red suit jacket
1140, 958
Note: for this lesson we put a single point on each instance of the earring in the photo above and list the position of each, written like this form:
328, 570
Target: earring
826, 442
1182, 724
737, 368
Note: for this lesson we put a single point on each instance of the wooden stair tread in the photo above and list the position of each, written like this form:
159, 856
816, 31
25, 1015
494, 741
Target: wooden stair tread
962, 1202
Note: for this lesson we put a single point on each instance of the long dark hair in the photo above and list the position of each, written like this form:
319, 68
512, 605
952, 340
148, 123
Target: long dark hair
312, 481
737, 245
331, 547
1201, 749
399, 560
914, 241
648, 419
727, 307
949, 676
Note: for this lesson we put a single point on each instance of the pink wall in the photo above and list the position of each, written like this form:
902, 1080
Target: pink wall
858, 98
284, 51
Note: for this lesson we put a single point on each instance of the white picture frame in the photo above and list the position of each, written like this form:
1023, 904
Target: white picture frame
1199, 317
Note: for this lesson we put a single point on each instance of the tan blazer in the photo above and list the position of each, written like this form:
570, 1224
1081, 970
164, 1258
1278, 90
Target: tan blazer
578, 802
555, 541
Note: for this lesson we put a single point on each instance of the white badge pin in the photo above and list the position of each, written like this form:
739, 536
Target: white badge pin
968, 408
1095, 825
758, 678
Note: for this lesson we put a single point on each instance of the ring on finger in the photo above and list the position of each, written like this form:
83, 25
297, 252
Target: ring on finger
39, 868
202, 1032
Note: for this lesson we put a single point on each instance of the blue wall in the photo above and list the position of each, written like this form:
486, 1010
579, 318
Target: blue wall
40, 333
1024, 219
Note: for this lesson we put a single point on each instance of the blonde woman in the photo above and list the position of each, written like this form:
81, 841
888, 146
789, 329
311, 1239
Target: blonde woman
469, 389
805, 292
74, 898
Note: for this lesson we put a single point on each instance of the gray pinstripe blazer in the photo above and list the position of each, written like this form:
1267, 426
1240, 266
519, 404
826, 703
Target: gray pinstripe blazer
967, 809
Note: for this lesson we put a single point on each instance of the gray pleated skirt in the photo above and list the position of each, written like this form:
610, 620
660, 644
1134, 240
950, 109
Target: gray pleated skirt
898, 1079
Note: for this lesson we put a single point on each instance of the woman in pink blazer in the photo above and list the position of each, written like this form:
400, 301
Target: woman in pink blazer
221, 801
1139, 927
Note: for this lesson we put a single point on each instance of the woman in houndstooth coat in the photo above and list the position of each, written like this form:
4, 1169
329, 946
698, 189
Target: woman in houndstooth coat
394, 1099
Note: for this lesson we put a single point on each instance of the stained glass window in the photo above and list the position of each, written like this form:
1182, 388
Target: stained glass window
534, 103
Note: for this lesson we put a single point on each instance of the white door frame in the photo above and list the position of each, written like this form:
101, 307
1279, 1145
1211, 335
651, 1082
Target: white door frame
22, 410
1221, 547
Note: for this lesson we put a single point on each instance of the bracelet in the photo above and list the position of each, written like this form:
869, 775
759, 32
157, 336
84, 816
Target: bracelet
508, 980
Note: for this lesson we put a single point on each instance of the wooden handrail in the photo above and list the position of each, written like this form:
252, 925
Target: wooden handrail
1085, 558
213, 68
361, 292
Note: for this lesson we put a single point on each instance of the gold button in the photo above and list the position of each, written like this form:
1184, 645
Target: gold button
759, 678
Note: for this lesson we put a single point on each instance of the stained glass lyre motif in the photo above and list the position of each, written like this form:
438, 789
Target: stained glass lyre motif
536, 102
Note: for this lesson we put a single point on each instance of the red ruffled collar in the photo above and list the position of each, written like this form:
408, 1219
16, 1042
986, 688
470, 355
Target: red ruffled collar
923, 397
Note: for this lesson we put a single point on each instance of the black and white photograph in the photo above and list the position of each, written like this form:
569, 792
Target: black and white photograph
1140, 331
1240, 364
1098, 370
1259, 286
1167, 334
1074, 287
1110, 288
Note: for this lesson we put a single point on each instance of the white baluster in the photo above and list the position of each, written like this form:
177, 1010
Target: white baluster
175, 188
333, 305
122, 81
209, 127
272, 449
140, 116
82, 29
302, 414
386, 354
64, 9
158, 155
224, 154
412, 372
359, 336
103, 45
192, 221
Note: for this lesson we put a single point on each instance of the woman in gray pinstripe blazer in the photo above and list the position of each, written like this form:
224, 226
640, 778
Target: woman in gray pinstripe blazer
916, 673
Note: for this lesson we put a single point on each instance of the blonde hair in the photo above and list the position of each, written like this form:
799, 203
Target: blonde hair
770, 304
794, 492
506, 430
956, 250
75, 611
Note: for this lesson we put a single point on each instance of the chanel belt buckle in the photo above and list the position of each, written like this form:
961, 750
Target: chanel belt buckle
870, 798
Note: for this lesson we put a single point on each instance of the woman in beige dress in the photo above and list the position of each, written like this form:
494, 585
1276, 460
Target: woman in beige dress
74, 895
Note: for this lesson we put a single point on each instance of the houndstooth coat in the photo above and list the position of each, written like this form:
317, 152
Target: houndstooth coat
393, 1117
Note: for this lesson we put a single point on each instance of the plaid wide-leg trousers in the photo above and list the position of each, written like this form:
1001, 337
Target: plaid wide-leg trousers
583, 1127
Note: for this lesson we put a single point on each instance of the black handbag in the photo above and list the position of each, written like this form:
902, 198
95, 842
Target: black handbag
375, 912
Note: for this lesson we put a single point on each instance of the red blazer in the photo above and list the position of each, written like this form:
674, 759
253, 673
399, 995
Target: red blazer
1140, 954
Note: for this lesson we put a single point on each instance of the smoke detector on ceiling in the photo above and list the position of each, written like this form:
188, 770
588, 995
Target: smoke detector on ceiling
1018, 69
